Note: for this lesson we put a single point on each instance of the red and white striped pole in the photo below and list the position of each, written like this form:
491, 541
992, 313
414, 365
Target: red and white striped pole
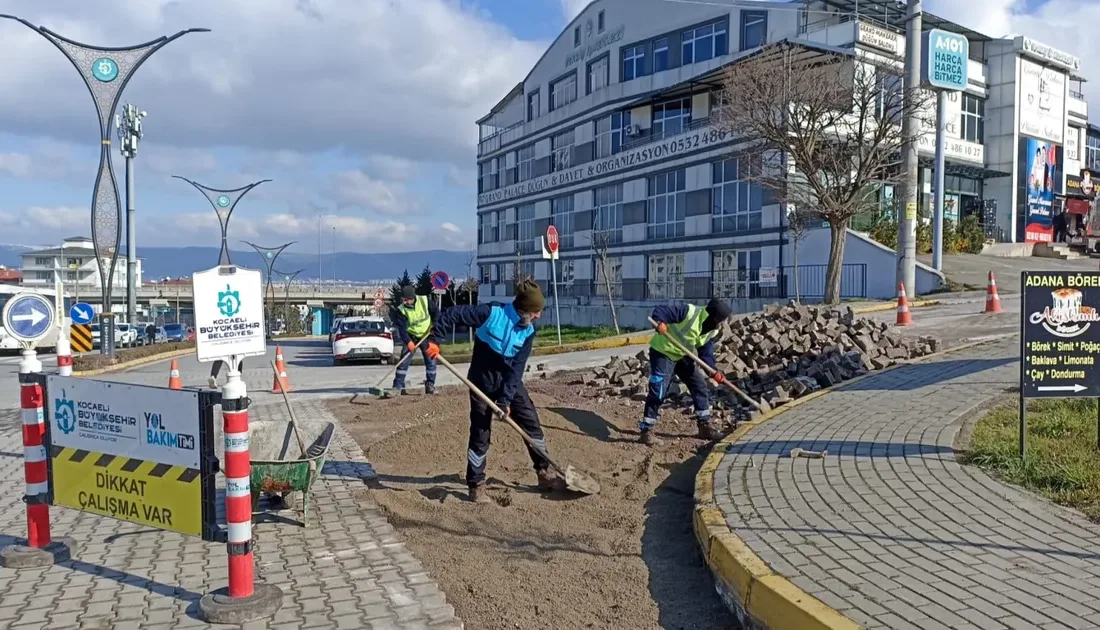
238, 489
31, 400
64, 355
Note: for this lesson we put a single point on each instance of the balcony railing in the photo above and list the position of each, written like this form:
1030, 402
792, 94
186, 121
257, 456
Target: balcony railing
1077, 95
647, 136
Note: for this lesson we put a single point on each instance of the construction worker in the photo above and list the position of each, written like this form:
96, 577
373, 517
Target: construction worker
502, 345
696, 329
412, 321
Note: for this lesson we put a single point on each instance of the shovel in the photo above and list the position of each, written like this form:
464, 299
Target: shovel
709, 371
575, 480
377, 390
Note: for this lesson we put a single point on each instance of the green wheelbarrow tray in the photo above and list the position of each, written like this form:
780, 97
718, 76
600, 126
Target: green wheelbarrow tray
287, 476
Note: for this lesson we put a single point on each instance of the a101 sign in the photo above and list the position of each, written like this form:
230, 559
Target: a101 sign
945, 60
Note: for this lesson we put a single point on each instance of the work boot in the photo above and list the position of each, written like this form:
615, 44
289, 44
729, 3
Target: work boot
429, 389
707, 431
648, 438
404, 392
549, 479
480, 494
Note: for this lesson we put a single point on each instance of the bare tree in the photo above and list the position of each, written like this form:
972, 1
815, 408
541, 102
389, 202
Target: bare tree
519, 276
823, 129
601, 242
798, 223
471, 283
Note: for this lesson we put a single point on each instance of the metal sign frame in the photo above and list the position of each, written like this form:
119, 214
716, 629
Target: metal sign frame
15, 299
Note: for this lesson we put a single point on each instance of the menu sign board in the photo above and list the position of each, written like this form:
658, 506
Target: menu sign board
1061, 335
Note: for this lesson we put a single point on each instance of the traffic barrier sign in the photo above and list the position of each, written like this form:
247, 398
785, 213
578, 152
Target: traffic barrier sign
440, 281
229, 313
81, 313
80, 337
28, 317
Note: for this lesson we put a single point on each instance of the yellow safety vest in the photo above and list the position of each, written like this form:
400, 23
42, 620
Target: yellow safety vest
419, 318
688, 332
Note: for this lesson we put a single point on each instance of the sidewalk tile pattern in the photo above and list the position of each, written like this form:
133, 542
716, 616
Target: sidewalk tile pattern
889, 528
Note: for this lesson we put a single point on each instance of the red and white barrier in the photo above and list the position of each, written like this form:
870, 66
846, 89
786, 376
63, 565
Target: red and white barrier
238, 491
64, 356
31, 400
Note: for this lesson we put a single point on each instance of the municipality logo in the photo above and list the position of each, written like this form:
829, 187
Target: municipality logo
229, 301
64, 410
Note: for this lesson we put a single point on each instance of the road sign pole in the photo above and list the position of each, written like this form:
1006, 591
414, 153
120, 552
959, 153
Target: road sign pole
937, 210
557, 311
64, 356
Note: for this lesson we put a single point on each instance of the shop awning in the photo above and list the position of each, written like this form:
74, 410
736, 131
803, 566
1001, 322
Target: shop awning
972, 171
1077, 206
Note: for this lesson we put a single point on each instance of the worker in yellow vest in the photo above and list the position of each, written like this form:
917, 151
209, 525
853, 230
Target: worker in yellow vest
413, 320
696, 328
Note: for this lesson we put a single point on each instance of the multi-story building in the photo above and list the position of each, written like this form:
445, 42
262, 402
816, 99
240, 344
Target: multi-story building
610, 139
80, 272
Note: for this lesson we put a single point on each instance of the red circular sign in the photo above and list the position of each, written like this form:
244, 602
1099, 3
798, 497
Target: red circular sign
552, 239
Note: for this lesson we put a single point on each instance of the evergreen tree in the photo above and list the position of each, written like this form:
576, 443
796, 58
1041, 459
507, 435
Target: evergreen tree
424, 281
395, 290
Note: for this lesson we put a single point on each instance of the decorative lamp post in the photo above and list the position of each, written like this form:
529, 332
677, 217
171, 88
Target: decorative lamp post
288, 279
269, 254
105, 71
223, 202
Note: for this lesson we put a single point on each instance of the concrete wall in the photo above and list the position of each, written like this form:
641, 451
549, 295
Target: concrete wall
881, 262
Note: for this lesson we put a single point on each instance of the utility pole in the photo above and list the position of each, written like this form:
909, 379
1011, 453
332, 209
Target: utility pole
907, 219
128, 125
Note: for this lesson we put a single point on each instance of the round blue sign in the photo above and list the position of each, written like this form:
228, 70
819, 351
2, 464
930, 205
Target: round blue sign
105, 69
223, 201
269, 254
81, 313
28, 316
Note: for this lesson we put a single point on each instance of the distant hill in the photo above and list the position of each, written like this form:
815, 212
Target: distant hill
160, 262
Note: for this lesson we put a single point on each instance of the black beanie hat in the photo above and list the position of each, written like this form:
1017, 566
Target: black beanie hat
408, 292
719, 310
528, 297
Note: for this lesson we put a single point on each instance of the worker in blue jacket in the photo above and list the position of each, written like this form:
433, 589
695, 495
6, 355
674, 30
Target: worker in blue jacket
502, 345
696, 329
412, 321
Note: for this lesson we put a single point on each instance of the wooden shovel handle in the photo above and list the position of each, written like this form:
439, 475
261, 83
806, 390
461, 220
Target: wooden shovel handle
709, 371
290, 410
407, 357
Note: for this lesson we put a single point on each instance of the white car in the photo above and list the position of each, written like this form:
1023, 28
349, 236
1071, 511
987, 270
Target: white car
335, 327
362, 339
126, 335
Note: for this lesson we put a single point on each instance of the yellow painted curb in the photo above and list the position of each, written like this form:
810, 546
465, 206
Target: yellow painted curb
890, 307
136, 363
769, 598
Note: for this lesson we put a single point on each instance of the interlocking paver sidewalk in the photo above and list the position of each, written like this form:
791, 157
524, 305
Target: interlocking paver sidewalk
889, 528
349, 569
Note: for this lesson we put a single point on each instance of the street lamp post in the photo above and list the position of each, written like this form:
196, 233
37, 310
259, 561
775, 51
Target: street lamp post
288, 279
223, 201
105, 71
269, 254
129, 136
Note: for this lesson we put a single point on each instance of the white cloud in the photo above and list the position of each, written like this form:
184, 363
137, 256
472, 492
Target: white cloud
15, 164
451, 227
63, 218
358, 189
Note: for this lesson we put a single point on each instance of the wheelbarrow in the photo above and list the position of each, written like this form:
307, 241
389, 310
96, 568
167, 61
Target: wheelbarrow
273, 475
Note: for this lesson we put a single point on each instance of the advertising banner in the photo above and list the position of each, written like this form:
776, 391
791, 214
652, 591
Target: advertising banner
955, 149
1040, 162
229, 313
1042, 102
1061, 334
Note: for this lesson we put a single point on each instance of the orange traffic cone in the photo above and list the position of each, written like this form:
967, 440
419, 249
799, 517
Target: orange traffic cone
281, 382
992, 300
174, 381
905, 318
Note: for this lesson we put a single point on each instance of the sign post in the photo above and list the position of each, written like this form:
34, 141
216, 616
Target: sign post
440, 282
1060, 339
944, 69
550, 252
229, 325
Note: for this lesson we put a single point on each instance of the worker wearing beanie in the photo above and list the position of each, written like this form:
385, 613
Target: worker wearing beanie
696, 328
412, 322
502, 345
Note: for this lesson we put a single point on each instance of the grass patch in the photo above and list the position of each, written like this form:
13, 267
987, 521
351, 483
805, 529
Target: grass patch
1062, 461
544, 336
96, 361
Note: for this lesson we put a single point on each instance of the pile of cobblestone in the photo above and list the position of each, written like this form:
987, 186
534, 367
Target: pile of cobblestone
776, 356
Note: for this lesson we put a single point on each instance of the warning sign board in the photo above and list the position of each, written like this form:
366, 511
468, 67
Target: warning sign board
80, 338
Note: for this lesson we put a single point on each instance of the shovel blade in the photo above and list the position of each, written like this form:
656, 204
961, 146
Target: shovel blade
577, 481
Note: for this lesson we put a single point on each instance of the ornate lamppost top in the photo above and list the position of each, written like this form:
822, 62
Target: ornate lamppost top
223, 201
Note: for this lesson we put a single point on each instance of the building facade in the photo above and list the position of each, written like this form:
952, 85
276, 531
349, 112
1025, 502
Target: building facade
610, 139
80, 273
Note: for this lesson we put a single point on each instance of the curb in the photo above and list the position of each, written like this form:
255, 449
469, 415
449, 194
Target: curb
760, 597
891, 307
135, 363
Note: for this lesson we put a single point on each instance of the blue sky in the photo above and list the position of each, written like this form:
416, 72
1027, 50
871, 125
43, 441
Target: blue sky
361, 111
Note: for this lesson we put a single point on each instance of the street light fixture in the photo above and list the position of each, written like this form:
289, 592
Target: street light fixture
105, 71
288, 279
269, 254
223, 201
129, 136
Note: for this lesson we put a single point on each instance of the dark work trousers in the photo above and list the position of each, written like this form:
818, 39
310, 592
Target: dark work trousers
661, 371
217, 368
481, 429
403, 367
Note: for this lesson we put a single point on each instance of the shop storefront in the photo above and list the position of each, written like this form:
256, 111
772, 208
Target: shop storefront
1079, 217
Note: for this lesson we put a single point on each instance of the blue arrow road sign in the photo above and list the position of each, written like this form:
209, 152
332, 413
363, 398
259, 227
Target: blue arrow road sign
81, 313
28, 316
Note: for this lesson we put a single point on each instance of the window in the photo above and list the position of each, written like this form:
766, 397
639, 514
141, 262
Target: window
602, 129
660, 54
534, 105
74, 262
561, 217
527, 239
633, 62
563, 92
973, 118
736, 273
1092, 151
754, 29
505, 176
620, 122
607, 218
485, 272
614, 276
705, 42
600, 23
561, 150
665, 205
525, 163
609, 134
501, 224
576, 37
665, 277
599, 72
43, 262
487, 175
491, 228
671, 118
737, 204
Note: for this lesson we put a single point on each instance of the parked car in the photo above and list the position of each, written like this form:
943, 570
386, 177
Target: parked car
160, 336
336, 321
362, 339
175, 332
126, 335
